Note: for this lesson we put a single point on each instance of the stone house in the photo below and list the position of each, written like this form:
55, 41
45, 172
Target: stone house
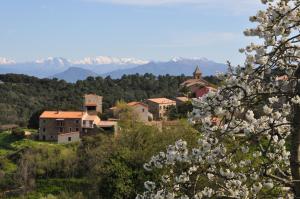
68, 137
93, 104
159, 107
69, 126
140, 110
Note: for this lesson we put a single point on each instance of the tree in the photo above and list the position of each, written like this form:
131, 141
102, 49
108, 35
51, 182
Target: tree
252, 150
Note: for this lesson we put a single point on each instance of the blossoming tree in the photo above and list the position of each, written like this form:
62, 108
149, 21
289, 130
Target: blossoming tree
250, 136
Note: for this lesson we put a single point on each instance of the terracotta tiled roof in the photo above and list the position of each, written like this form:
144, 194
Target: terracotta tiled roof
182, 99
91, 117
192, 82
131, 104
161, 101
137, 103
62, 114
90, 104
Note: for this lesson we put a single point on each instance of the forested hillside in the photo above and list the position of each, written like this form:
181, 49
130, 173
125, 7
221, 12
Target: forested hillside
23, 98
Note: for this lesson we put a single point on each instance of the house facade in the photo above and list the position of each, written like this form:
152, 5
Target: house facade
159, 107
69, 126
54, 123
140, 111
68, 137
92, 104
60, 125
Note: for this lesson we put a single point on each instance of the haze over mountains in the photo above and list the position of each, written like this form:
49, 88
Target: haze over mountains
72, 71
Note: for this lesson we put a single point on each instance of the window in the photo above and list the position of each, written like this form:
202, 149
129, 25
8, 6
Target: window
143, 110
77, 129
77, 121
61, 129
44, 129
91, 123
44, 121
69, 139
84, 122
60, 123
70, 129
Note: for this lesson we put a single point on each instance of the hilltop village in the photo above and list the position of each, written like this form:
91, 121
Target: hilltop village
70, 126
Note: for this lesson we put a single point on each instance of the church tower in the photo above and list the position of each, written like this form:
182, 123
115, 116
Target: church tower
197, 73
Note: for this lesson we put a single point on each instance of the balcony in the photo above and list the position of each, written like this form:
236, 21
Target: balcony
87, 124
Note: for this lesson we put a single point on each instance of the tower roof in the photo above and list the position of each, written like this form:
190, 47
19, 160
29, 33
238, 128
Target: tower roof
197, 71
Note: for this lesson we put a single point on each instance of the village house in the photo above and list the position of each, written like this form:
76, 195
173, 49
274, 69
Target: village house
196, 87
69, 126
159, 107
93, 103
140, 110
181, 101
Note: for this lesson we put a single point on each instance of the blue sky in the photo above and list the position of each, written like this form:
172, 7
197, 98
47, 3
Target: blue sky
145, 29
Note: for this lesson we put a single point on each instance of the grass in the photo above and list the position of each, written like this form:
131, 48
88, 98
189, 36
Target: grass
10, 145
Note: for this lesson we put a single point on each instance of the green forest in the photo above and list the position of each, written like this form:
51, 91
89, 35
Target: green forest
101, 166
23, 98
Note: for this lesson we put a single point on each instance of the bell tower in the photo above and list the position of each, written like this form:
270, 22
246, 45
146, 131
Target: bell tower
197, 73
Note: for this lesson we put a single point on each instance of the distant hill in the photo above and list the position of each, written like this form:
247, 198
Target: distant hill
176, 66
73, 74
72, 71
52, 65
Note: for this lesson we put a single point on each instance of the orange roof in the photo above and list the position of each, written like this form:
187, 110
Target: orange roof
183, 99
137, 103
90, 104
62, 114
91, 117
192, 82
161, 101
131, 104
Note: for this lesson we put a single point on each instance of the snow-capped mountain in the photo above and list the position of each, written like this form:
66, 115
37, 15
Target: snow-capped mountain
54, 65
7, 61
69, 70
109, 60
175, 66
54, 61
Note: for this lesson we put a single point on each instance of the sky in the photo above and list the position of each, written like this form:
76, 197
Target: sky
144, 29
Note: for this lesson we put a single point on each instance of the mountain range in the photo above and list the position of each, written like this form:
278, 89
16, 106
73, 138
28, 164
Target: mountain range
72, 71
